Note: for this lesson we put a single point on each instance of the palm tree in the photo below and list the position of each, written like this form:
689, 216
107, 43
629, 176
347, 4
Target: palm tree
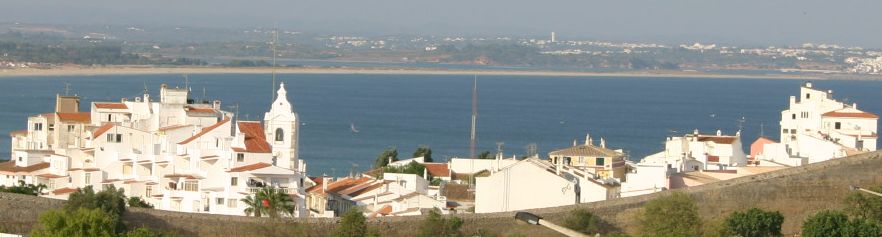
253, 205
269, 201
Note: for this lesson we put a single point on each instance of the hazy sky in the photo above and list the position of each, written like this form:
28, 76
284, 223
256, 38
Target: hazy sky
849, 22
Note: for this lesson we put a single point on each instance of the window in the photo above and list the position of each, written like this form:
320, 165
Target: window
87, 178
109, 117
784, 130
793, 116
234, 181
191, 186
240, 157
792, 131
280, 134
127, 169
219, 201
808, 96
51, 127
38, 126
149, 191
599, 161
71, 128
19, 159
232, 203
838, 125
114, 138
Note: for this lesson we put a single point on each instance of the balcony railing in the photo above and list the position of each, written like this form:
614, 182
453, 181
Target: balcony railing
253, 190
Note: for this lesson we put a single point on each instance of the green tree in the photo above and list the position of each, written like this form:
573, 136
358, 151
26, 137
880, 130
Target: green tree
583, 221
23, 188
486, 155
138, 202
79, 222
145, 232
674, 215
859, 227
825, 224
863, 205
436, 225
110, 200
269, 201
411, 168
383, 159
425, 152
352, 224
755, 223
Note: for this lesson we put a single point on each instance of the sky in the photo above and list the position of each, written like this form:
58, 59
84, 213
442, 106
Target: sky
745, 22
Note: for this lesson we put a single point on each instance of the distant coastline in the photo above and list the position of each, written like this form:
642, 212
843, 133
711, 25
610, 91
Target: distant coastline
148, 70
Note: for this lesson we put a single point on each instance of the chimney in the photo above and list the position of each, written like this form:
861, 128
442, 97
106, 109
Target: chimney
695, 131
216, 104
719, 133
558, 165
588, 140
808, 84
426, 173
575, 143
602, 143
325, 181
854, 106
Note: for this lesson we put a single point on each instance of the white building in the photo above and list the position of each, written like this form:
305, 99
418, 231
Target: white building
817, 127
534, 183
394, 195
696, 151
172, 153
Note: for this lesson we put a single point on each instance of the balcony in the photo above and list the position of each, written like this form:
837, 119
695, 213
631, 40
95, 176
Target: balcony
253, 190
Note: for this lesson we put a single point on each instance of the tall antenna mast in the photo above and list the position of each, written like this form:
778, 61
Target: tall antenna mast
273, 69
66, 89
473, 140
762, 130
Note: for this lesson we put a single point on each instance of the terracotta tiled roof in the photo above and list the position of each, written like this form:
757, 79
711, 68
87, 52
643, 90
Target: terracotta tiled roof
362, 190
250, 167
717, 139
255, 139
188, 176
101, 130
111, 106
173, 127
586, 150
318, 184
18, 132
204, 131
51, 176
10, 167
850, 115
343, 184
200, 110
437, 169
82, 117
61, 191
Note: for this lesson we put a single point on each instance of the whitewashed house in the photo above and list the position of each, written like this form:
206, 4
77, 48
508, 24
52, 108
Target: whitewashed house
817, 127
173, 153
534, 183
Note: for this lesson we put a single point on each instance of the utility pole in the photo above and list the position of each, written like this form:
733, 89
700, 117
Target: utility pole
473, 140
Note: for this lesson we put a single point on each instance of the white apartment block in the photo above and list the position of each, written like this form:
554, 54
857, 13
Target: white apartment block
817, 127
173, 153
534, 183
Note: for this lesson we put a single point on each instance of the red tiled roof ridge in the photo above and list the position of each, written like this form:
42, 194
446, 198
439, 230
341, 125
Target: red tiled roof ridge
255, 139
101, 130
78, 116
204, 131
860, 114
110, 105
255, 166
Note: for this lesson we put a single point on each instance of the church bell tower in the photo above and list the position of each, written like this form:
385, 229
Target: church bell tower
282, 128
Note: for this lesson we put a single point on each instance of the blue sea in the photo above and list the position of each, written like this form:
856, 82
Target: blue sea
406, 111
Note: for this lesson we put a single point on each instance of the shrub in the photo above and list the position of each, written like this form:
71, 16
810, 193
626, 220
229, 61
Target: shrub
674, 215
138, 202
860, 227
824, 224
23, 188
110, 200
583, 221
436, 225
80, 222
865, 205
352, 224
755, 223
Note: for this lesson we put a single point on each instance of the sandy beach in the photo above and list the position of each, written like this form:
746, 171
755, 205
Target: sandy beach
147, 70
